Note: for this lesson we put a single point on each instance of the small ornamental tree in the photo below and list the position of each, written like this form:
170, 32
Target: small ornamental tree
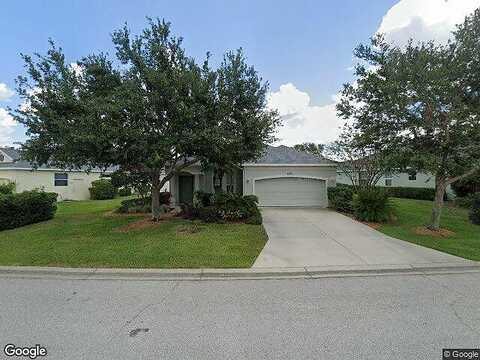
153, 116
362, 163
422, 102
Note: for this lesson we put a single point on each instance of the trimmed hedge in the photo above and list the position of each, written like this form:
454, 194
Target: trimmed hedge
398, 192
411, 193
102, 189
26, 208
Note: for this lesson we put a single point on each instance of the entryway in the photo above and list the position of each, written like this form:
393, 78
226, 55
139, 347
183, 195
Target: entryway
185, 186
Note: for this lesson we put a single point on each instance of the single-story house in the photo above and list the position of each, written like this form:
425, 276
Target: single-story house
283, 176
68, 184
401, 179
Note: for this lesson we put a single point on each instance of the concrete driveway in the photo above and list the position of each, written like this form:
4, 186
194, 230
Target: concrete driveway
321, 237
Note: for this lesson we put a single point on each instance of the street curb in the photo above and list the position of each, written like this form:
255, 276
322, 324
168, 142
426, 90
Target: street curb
307, 272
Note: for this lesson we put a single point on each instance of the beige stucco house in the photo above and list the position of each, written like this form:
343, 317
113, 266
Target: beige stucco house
68, 184
283, 176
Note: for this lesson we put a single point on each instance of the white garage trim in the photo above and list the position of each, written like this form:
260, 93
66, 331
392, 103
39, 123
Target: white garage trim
325, 180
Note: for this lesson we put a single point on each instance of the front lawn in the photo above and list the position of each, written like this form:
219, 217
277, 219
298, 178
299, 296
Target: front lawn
87, 234
412, 214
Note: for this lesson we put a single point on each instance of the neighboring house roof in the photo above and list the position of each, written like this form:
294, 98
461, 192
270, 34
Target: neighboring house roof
11, 152
19, 164
284, 155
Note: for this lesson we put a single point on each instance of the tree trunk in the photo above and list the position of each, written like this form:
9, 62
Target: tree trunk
440, 187
219, 174
156, 187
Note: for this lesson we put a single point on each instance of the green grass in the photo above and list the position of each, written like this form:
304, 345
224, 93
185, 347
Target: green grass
416, 213
84, 234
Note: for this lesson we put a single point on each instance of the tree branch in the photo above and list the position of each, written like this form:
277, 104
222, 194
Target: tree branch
460, 177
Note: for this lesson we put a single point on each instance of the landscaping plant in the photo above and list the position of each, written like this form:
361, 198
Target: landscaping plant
7, 188
25, 208
142, 205
340, 198
124, 191
372, 205
152, 110
420, 102
102, 189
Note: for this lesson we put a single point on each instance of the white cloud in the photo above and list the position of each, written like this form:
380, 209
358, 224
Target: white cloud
425, 20
303, 122
7, 125
5, 92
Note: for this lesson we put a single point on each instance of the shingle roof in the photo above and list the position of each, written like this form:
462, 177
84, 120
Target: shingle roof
18, 163
11, 152
287, 155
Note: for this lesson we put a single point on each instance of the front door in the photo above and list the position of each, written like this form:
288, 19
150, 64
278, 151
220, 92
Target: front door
185, 187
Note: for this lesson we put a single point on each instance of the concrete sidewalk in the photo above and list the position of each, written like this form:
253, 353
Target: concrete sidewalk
321, 237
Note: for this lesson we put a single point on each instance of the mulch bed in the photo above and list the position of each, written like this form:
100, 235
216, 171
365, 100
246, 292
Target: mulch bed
421, 230
144, 223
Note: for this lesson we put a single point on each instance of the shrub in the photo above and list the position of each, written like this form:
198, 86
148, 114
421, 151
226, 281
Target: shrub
210, 214
7, 188
203, 198
340, 198
255, 218
102, 189
137, 205
224, 206
465, 202
165, 198
124, 191
372, 205
25, 208
235, 206
474, 215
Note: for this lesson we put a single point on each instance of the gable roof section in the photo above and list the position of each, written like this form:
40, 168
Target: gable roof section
284, 155
11, 152
19, 164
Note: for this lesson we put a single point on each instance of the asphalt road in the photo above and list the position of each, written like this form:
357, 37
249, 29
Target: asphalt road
376, 317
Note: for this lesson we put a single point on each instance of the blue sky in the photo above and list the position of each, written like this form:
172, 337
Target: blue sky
303, 48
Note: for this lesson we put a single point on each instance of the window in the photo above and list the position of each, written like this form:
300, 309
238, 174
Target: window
61, 179
412, 176
388, 181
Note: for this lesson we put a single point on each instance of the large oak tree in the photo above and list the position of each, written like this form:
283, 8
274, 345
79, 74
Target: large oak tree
152, 111
421, 102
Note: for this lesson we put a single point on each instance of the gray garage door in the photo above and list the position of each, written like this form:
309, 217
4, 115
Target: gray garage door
291, 191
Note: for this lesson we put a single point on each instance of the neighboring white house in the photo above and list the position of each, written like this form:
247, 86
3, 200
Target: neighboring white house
402, 179
68, 184
282, 177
